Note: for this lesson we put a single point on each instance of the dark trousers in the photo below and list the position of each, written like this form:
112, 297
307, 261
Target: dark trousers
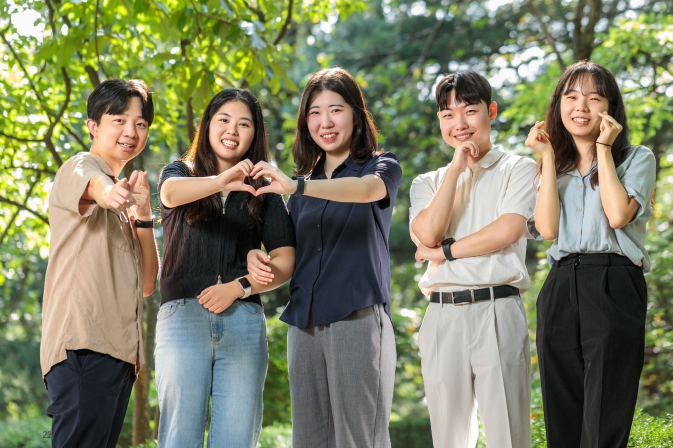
590, 343
88, 396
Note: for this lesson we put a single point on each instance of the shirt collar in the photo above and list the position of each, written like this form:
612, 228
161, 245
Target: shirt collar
491, 157
102, 163
319, 169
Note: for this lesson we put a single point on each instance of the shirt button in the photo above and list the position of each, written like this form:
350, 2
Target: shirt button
318, 225
577, 233
579, 185
579, 209
319, 249
316, 271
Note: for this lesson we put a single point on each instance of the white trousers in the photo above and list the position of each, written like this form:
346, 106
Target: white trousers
477, 353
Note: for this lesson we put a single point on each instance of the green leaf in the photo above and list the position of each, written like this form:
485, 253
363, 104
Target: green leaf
279, 70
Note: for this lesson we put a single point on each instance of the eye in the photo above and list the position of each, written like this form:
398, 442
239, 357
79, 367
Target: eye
245, 124
142, 125
224, 120
471, 111
314, 112
118, 120
336, 110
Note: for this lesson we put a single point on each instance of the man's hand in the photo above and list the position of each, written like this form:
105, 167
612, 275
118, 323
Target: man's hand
218, 298
435, 255
141, 196
461, 155
119, 196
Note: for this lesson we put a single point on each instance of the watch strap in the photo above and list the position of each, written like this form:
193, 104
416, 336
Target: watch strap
446, 248
144, 224
301, 182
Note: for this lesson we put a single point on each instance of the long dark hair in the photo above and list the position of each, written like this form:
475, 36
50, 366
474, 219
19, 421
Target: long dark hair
364, 141
565, 151
202, 161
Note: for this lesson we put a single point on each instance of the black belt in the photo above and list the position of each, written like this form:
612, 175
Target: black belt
473, 295
595, 259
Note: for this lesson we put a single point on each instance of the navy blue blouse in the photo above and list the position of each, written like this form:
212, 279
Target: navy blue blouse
342, 261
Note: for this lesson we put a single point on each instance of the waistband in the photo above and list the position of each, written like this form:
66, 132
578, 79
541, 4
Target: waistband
594, 259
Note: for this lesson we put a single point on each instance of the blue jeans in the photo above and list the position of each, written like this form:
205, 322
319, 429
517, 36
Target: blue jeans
200, 355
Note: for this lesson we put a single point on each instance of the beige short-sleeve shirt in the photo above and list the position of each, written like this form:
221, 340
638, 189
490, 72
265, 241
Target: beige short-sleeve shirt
499, 183
93, 286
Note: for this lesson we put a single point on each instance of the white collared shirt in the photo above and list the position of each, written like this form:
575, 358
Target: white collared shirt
499, 183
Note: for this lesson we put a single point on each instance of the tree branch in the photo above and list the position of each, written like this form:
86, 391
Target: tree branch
95, 43
257, 11
50, 131
24, 207
25, 72
428, 43
286, 24
19, 139
577, 31
548, 37
196, 18
29, 168
589, 31
11, 221
75, 136
203, 14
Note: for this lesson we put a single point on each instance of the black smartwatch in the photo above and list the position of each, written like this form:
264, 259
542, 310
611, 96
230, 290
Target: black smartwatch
446, 248
300, 185
145, 224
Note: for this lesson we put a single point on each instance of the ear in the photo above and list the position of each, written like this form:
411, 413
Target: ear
493, 110
92, 127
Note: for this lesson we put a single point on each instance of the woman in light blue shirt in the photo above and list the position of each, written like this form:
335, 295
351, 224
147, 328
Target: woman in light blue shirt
594, 202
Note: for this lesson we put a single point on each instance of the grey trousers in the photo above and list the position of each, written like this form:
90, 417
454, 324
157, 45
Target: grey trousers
342, 377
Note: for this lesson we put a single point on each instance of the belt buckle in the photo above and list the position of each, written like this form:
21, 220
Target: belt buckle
453, 300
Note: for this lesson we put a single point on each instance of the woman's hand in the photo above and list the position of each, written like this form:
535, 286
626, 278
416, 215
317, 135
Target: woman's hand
218, 298
233, 179
435, 255
280, 183
258, 270
538, 140
610, 129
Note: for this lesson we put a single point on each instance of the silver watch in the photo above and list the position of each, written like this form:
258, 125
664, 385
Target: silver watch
245, 286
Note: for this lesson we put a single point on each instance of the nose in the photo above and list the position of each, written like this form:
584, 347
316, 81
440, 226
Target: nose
461, 123
130, 130
231, 128
583, 104
326, 121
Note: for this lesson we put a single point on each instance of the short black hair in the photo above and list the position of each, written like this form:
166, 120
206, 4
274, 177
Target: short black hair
470, 88
112, 97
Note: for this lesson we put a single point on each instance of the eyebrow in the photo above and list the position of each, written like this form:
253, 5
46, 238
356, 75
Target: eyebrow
227, 115
331, 105
577, 91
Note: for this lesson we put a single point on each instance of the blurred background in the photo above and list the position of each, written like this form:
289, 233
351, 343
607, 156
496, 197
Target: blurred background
54, 52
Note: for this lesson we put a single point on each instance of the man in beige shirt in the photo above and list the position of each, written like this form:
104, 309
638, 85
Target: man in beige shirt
469, 220
103, 260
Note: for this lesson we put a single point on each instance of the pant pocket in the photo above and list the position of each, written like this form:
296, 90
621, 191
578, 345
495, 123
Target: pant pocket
377, 315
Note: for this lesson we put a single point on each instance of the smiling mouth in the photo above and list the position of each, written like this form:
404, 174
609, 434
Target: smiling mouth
580, 121
463, 137
126, 145
329, 136
229, 143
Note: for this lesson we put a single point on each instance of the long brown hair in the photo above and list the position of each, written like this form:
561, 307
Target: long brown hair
566, 154
364, 141
202, 161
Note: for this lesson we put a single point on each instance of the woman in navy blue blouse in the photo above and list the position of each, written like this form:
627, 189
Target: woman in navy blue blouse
341, 346
594, 202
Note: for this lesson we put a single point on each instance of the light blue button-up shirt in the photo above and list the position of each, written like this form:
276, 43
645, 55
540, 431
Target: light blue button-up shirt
584, 226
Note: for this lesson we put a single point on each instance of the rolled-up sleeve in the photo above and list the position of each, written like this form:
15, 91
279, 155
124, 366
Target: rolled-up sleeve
421, 193
278, 230
387, 167
173, 169
520, 195
72, 181
639, 178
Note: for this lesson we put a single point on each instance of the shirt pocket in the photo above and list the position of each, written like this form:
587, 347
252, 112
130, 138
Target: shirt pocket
118, 231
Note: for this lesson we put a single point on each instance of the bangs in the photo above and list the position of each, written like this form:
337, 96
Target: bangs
580, 75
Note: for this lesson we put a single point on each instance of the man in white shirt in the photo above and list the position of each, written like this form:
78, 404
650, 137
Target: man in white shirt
469, 220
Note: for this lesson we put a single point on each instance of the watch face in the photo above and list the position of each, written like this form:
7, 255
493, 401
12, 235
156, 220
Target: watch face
245, 284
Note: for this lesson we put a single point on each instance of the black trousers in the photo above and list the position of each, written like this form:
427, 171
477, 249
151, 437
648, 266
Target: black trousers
590, 343
88, 396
